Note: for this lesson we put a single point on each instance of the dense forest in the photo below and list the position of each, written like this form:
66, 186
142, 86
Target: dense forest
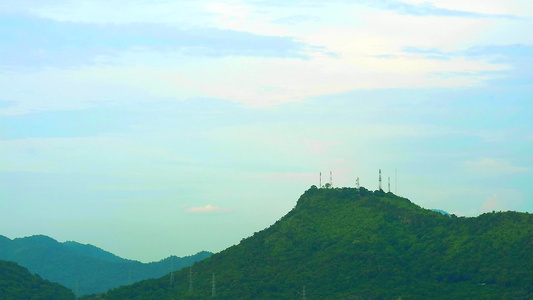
85, 269
17, 283
348, 243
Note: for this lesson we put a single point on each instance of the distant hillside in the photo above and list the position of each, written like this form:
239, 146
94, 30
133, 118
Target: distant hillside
357, 244
17, 283
85, 269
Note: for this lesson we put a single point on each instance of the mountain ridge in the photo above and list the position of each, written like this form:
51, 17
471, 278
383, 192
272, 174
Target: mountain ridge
346, 243
85, 268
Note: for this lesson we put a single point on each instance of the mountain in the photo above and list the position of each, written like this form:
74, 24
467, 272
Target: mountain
441, 211
85, 269
347, 243
18, 283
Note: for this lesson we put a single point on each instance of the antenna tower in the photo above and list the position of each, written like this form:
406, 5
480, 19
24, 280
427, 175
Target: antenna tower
213, 287
190, 279
396, 181
320, 180
357, 183
380, 180
389, 184
330, 179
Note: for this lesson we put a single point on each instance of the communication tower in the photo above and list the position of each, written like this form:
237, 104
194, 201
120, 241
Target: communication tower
396, 181
389, 184
357, 183
320, 180
380, 180
330, 179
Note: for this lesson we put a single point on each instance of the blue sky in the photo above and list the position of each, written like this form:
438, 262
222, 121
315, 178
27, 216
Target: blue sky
156, 128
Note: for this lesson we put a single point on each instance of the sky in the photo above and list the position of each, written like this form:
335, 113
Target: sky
152, 128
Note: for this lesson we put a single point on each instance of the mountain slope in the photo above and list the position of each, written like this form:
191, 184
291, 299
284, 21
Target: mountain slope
16, 282
85, 269
357, 244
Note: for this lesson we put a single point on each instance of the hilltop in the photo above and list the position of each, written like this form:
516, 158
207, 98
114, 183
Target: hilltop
85, 269
351, 243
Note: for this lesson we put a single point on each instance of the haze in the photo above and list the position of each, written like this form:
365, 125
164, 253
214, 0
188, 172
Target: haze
157, 128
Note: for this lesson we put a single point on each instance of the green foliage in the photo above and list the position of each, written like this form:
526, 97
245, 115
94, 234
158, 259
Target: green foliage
358, 244
85, 269
17, 283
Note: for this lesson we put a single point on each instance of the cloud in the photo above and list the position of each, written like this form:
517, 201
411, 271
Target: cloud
493, 166
32, 41
503, 200
429, 9
208, 209
403, 8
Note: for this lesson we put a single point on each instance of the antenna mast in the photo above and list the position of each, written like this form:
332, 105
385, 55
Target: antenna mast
320, 180
396, 181
380, 179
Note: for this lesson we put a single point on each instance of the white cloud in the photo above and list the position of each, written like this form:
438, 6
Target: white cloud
207, 209
493, 166
503, 200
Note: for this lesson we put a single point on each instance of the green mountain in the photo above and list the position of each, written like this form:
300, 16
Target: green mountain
85, 269
357, 244
17, 283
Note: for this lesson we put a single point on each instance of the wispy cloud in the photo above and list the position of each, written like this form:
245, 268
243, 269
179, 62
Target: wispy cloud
493, 166
31, 41
429, 9
207, 209
403, 8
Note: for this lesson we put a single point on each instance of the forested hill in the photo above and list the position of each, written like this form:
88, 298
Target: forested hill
18, 283
85, 269
356, 244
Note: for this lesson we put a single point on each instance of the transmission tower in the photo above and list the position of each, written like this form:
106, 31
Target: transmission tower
213, 287
330, 179
171, 271
190, 279
389, 184
380, 180
357, 183
320, 181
